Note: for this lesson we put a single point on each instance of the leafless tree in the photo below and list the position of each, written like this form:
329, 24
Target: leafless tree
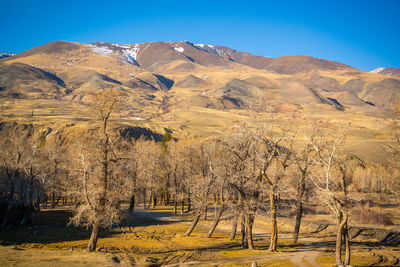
20, 160
98, 187
332, 177
276, 160
303, 155
245, 149
203, 176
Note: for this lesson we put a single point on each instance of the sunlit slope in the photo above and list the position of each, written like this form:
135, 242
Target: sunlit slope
197, 90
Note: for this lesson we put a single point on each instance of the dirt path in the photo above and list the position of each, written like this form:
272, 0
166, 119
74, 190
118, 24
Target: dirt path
160, 216
305, 255
300, 257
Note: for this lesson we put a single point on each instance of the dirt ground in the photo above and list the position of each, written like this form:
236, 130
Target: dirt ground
155, 237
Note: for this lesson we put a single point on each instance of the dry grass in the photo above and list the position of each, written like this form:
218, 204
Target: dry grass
20, 256
358, 258
372, 217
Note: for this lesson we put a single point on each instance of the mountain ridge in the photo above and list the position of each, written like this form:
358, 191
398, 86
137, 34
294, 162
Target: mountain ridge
142, 54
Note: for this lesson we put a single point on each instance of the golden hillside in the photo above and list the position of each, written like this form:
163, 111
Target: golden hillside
197, 90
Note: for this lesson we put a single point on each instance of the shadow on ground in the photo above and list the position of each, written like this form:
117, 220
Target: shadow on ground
51, 226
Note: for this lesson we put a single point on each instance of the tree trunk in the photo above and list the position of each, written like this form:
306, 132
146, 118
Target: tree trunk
93, 237
175, 197
339, 234
274, 224
205, 213
189, 207
55, 202
299, 207
27, 215
150, 202
249, 231
216, 221
37, 203
144, 198
166, 198
347, 245
234, 226
193, 225
299, 214
154, 201
6, 214
132, 203
182, 202
45, 201
175, 204
243, 230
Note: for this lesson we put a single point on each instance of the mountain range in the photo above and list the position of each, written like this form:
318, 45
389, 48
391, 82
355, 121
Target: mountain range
194, 89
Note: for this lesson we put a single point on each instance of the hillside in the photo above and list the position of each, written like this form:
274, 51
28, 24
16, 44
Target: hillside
197, 89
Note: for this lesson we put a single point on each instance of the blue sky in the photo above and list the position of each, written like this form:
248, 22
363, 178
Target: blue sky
364, 34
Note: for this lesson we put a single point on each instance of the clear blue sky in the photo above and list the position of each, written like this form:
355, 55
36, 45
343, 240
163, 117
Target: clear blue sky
364, 34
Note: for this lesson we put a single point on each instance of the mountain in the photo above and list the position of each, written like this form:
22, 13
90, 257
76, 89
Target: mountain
5, 54
388, 71
148, 68
193, 89
155, 54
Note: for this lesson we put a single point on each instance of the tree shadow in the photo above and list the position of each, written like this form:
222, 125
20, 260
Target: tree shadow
47, 226
52, 226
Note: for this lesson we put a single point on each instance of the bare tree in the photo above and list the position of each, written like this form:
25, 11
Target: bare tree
97, 191
203, 176
394, 149
275, 163
332, 176
244, 149
20, 160
303, 156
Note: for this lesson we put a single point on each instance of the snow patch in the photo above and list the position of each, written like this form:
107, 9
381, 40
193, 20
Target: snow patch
138, 119
207, 47
102, 50
377, 70
179, 49
122, 46
129, 57
133, 51
4, 55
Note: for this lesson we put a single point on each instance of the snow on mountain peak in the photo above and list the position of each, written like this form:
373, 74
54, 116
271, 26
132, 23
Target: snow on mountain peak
377, 70
102, 50
128, 53
179, 49
5, 54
